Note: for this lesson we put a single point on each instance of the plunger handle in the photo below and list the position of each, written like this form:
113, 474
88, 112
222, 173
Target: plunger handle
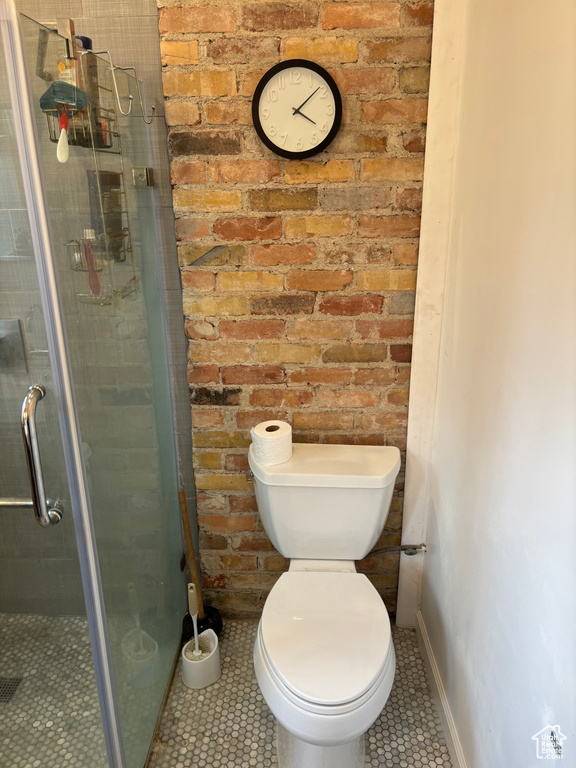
190, 556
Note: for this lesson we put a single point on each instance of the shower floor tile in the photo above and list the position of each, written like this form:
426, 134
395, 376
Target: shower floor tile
52, 717
228, 724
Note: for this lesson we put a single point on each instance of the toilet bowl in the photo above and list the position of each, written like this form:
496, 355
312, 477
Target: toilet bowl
323, 655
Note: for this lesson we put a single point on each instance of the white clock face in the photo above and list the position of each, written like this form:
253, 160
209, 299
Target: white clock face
297, 111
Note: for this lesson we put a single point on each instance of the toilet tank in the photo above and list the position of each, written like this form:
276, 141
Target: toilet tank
328, 502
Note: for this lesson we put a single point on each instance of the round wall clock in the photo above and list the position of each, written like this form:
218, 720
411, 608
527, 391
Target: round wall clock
296, 109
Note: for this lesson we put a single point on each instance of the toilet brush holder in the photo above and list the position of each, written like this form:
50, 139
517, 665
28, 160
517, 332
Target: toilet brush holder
203, 670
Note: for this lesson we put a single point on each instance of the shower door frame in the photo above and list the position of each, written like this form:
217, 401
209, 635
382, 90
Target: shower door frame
25, 130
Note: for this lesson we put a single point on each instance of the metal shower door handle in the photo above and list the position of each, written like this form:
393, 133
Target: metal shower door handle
47, 512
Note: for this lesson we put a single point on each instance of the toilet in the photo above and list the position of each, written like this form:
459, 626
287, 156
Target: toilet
323, 655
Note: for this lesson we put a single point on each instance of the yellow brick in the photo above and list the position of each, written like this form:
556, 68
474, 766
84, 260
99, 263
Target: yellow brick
208, 460
177, 81
216, 481
288, 353
249, 281
316, 173
207, 200
179, 53
221, 439
387, 280
331, 50
212, 306
219, 352
181, 113
393, 169
319, 226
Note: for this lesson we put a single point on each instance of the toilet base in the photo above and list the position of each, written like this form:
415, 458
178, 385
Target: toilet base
295, 753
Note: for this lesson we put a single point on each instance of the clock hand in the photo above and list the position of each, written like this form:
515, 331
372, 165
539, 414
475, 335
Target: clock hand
297, 112
305, 100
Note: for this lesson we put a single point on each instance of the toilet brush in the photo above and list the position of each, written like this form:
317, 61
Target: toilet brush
208, 617
201, 644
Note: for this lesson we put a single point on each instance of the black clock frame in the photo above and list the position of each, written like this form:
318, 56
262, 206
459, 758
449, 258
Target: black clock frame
289, 64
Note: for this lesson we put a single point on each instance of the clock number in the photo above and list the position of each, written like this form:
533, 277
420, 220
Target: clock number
314, 138
299, 144
272, 130
330, 109
271, 94
295, 77
283, 136
324, 128
265, 113
281, 82
323, 91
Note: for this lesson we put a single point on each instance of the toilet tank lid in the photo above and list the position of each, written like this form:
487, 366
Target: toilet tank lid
332, 466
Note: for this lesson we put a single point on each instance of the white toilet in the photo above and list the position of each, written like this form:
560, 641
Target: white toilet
323, 655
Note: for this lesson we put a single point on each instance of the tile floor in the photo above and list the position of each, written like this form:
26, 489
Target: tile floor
228, 725
51, 718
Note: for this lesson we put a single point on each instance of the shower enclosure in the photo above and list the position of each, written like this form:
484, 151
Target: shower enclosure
90, 604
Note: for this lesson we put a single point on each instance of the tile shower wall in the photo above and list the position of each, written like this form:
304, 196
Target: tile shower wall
306, 313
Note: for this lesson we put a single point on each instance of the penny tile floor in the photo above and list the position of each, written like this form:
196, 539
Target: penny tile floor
228, 724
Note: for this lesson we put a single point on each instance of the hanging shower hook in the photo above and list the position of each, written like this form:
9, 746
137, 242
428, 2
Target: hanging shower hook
113, 73
142, 107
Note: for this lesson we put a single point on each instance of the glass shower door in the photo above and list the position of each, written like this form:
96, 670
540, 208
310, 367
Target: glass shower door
49, 708
123, 477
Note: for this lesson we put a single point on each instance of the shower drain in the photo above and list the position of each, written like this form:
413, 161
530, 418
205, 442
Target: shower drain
8, 686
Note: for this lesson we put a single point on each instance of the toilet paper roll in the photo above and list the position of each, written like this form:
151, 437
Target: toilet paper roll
272, 442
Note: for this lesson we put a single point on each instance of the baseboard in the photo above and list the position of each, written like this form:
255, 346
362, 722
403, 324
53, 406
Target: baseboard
446, 718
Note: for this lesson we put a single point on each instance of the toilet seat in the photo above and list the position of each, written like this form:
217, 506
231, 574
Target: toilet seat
326, 639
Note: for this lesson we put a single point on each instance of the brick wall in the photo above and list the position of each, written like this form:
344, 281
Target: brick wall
304, 311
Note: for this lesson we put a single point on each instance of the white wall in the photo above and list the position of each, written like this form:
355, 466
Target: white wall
499, 580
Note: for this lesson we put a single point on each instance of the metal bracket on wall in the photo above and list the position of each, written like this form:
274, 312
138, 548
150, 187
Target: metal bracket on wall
407, 549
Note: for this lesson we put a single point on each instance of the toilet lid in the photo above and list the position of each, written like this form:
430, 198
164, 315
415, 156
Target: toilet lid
326, 635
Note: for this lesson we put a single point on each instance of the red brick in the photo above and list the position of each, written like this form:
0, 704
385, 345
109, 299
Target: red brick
273, 398
198, 280
320, 330
260, 17
227, 522
414, 141
381, 376
253, 374
200, 329
236, 462
405, 254
254, 543
409, 199
267, 228
318, 280
239, 505
191, 228
388, 226
242, 50
384, 329
401, 353
212, 541
417, 15
249, 419
244, 171
203, 374
399, 397
395, 111
361, 15
272, 255
185, 172
351, 305
399, 50
252, 329
326, 375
